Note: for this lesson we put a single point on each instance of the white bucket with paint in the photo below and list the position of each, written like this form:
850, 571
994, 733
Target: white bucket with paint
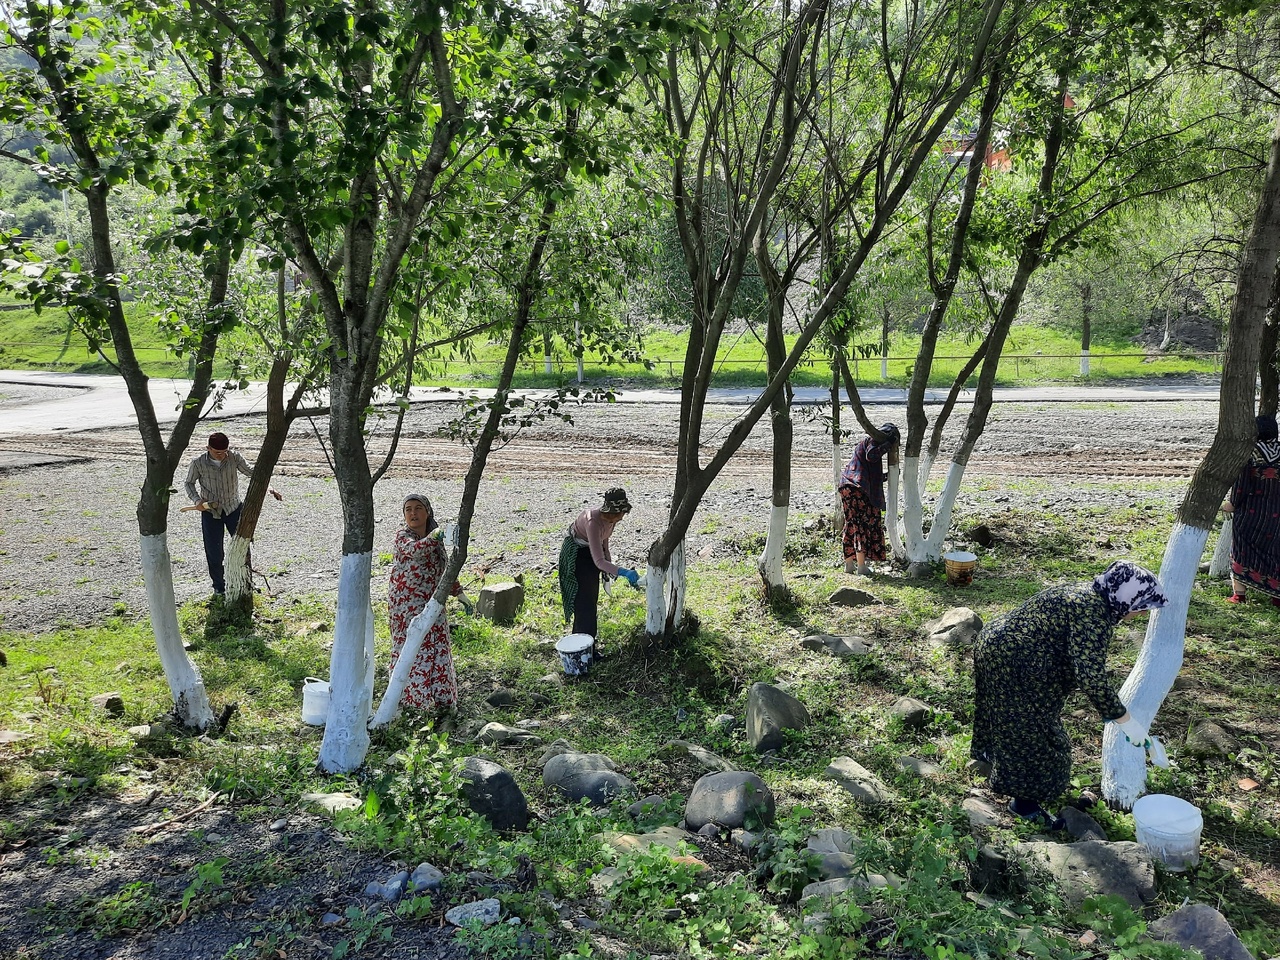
1170, 828
315, 701
575, 653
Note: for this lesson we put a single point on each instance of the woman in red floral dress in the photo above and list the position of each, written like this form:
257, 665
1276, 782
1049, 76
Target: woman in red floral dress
420, 560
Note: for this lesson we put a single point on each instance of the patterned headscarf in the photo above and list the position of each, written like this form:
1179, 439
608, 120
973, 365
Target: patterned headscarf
431, 514
1267, 449
1127, 588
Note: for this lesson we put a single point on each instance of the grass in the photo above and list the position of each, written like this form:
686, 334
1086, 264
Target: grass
1034, 354
638, 700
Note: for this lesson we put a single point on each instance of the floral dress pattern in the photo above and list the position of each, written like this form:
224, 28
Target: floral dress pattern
1255, 537
1025, 665
418, 565
862, 497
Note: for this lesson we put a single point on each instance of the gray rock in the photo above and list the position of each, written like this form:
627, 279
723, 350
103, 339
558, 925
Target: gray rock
701, 755
500, 602
1198, 926
918, 570
278, 825
978, 768
668, 837
645, 805
709, 830
1092, 868
1208, 739
552, 679
486, 911
991, 870
501, 697
555, 749
1080, 825
833, 866
331, 919
392, 890
331, 804
770, 711
744, 840
839, 885
921, 768
726, 799
852, 597
498, 733
492, 792
590, 776
914, 713
981, 814
958, 627
840, 647
832, 840
425, 877
724, 721
109, 703
859, 781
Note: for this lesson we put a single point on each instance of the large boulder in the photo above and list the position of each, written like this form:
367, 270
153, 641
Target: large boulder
1091, 868
587, 776
852, 597
771, 711
500, 602
679, 749
492, 792
859, 781
956, 629
726, 799
913, 713
1198, 926
1211, 740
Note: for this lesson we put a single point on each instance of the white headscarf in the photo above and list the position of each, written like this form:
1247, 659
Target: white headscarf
1127, 588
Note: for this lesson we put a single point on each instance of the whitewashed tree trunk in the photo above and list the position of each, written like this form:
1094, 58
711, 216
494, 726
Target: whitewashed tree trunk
912, 508
942, 513
1084, 363
346, 735
417, 632
1220, 565
1124, 769
238, 575
190, 702
884, 368
547, 368
837, 468
655, 601
893, 535
665, 595
770, 563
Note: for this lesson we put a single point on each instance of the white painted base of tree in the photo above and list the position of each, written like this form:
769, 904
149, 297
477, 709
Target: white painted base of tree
1124, 769
1084, 363
419, 626
665, 595
941, 525
912, 534
239, 577
190, 701
546, 364
892, 532
837, 468
346, 734
770, 563
1220, 565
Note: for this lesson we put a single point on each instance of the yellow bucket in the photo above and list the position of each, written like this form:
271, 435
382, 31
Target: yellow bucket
960, 566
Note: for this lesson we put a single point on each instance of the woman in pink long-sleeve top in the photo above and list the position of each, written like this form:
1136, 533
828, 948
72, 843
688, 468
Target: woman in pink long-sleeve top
584, 558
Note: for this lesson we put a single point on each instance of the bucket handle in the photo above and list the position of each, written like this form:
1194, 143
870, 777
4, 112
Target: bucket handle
307, 680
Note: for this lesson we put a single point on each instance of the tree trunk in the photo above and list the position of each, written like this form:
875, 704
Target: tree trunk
770, 562
837, 461
190, 701
1086, 325
1269, 356
1123, 768
1220, 565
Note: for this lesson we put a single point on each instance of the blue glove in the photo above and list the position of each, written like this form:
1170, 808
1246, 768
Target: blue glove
630, 576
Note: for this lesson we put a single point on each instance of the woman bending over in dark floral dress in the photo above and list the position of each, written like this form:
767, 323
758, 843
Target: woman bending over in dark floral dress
1027, 662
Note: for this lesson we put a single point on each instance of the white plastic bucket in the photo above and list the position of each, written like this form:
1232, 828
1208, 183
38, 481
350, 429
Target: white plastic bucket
575, 652
1170, 828
315, 701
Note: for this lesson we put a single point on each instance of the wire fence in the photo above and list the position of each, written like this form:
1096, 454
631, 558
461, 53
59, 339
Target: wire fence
892, 369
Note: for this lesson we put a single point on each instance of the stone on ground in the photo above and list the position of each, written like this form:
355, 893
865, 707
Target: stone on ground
859, 781
957, 628
425, 878
486, 911
331, 804
1208, 739
726, 799
1091, 868
921, 768
499, 733
838, 885
492, 792
1198, 926
771, 711
839, 647
391, 891
669, 838
914, 713
832, 840
852, 597
111, 703
683, 748
502, 697
1080, 825
500, 602
587, 776
645, 805
980, 812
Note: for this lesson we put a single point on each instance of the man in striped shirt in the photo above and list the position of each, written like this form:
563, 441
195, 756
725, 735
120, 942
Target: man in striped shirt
213, 484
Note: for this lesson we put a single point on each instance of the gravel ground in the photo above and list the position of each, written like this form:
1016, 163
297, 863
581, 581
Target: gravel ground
68, 535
